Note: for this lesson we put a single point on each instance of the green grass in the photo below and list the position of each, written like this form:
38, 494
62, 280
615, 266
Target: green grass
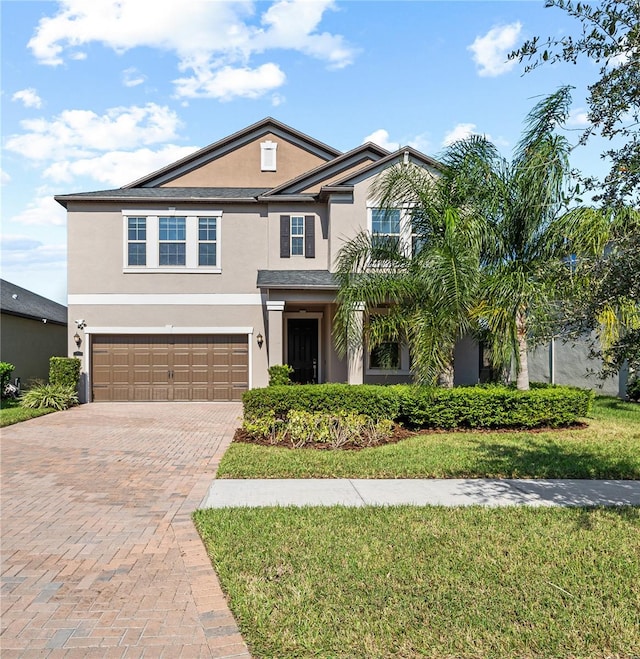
11, 412
608, 448
430, 582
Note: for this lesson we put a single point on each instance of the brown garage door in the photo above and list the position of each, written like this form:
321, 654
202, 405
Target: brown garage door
172, 367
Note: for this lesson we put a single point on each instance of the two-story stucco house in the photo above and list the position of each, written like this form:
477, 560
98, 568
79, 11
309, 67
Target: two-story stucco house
190, 282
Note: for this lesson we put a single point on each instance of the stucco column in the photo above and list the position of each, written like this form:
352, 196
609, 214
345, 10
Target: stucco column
355, 352
274, 341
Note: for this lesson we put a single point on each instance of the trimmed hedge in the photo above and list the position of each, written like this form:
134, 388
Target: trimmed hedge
376, 402
426, 407
64, 371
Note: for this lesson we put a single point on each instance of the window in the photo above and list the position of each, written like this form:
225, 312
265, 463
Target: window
136, 241
389, 357
391, 228
172, 242
297, 235
207, 244
386, 356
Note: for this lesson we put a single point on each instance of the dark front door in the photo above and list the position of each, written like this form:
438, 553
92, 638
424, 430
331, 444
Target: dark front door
302, 349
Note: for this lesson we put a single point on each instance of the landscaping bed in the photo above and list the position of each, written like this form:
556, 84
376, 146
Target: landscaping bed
606, 445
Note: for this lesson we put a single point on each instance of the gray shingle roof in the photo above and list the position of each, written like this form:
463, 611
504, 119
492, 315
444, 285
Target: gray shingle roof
322, 279
164, 194
19, 301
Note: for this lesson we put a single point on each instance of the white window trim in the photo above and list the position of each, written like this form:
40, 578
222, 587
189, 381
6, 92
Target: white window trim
405, 225
153, 242
291, 237
404, 356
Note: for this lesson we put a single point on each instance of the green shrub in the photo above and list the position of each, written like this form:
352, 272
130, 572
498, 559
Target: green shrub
376, 402
494, 407
336, 430
64, 371
5, 374
633, 389
53, 396
279, 375
419, 407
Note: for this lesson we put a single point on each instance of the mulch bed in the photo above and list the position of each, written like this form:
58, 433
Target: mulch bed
399, 433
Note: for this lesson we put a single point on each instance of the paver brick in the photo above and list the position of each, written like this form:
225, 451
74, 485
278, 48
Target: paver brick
99, 554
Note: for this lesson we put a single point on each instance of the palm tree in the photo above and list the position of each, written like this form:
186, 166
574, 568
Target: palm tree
493, 234
426, 283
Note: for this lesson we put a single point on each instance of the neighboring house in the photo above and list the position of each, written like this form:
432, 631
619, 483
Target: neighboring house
190, 282
34, 329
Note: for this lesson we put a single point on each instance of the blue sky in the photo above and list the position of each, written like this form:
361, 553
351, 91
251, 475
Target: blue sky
97, 93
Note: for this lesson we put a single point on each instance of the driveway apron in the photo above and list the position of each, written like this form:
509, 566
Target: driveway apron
100, 557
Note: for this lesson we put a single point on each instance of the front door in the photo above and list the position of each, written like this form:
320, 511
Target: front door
302, 349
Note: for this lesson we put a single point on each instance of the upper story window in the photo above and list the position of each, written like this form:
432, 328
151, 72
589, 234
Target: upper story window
391, 227
136, 241
297, 236
207, 241
176, 242
172, 241
268, 151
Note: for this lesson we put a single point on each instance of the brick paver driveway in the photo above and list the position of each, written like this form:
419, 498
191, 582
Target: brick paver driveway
99, 554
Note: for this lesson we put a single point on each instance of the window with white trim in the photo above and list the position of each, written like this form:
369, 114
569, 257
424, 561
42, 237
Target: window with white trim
207, 241
297, 235
136, 241
389, 357
172, 241
391, 227
187, 241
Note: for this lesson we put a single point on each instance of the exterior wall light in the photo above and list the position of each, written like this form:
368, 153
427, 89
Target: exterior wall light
260, 340
77, 339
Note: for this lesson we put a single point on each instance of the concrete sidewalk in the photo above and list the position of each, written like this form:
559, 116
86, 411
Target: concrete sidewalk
228, 493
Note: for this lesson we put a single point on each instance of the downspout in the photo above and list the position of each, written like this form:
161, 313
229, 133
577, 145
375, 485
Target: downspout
552, 361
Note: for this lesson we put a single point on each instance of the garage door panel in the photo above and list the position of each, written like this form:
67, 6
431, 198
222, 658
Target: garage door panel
159, 368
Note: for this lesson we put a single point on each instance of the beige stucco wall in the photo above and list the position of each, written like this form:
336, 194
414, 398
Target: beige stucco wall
241, 167
28, 345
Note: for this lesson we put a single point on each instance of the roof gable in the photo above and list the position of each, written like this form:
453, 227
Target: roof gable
306, 151
344, 165
404, 154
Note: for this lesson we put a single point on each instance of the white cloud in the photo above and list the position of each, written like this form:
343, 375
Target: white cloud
491, 50
382, 138
228, 82
212, 40
459, 132
4, 177
44, 210
117, 168
578, 117
29, 98
79, 133
131, 77
21, 253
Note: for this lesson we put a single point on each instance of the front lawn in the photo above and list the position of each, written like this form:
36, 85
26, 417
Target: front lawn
430, 582
11, 412
608, 448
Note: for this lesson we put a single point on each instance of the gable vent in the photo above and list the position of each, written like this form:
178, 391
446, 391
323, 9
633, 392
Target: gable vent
268, 156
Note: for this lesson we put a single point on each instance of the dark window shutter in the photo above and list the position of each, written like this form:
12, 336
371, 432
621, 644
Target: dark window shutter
309, 236
285, 236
